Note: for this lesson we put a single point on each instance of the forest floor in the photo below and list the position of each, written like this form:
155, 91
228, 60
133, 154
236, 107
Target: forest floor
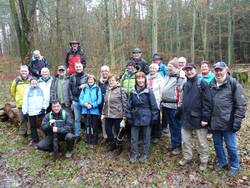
23, 166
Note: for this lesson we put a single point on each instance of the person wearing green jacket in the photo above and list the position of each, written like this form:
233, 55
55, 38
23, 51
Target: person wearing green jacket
128, 78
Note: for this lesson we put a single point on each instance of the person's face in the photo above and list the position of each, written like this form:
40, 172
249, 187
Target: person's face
104, 73
157, 61
190, 72
181, 64
136, 55
24, 73
79, 67
56, 108
33, 83
171, 69
45, 73
112, 82
91, 81
61, 72
130, 68
75, 46
37, 55
141, 81
152, 70
220, 74
204, 68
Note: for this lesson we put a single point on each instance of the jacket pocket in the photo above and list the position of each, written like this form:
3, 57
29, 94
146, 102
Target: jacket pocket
195, 114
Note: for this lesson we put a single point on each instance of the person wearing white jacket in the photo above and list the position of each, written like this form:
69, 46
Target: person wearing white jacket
154, 81
44, 83
33, 107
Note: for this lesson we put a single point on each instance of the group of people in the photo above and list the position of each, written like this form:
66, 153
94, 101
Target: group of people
145, 100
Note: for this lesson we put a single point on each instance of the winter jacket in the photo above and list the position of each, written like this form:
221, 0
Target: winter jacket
18, 89
142, 109
36, 65
163, 70
128, 81
208, 78
229, 105
154, 83
93, 95
33, 101
72, 57
75, 81
45, 85
115, 103
103, 84
196, 103
141, 65
66, 91
171, 91
63, 127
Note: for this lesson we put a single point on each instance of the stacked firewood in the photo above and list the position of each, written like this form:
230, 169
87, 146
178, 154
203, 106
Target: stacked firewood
9, 112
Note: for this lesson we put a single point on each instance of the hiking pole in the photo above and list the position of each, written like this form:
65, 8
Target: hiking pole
55, 140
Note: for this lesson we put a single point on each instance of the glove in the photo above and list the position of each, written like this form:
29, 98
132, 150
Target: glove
25, 116
178, 113
42, 112
236, 128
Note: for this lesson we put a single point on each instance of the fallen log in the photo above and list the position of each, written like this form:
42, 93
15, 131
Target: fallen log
11, 113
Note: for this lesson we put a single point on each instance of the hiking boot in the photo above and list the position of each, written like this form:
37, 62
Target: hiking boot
219, 167
165, 131
68, 154
133, 160
184, 162
143, 158
155, 140
203, 166
176, 151
233, 172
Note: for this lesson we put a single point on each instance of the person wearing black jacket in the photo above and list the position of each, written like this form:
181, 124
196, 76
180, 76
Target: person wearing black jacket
58, 122
139, 63
73, 56
196, 106
229, 108
76, 84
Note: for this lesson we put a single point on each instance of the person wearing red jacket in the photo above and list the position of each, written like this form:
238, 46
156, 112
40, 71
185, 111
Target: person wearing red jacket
74, 55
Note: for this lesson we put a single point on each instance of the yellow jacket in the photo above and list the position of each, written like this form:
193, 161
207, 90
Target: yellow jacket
18, 89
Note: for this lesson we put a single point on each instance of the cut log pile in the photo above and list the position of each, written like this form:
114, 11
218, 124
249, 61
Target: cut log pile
9, 112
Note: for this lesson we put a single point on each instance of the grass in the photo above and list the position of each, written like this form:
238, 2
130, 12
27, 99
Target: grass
27, 167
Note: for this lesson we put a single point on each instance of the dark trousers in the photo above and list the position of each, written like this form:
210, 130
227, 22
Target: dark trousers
46, 144
91, 125
156, 128
174, 127
109, 124
146, 132
35, 122
164, 118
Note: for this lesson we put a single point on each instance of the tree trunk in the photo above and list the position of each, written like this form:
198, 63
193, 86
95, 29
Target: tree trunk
154, 28
230, 33
178, 40
220, 47
193, 34
111, 36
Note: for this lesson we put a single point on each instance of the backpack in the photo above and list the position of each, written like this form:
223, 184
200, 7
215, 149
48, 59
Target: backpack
63, 115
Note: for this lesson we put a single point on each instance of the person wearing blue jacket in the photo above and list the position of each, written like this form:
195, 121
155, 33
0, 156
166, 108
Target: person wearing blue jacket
163, 69
142, 111
90, 99
205, 72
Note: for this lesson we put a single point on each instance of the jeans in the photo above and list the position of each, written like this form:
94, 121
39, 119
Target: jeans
164, 118
146, 132
230, 140
174, 128
77, 114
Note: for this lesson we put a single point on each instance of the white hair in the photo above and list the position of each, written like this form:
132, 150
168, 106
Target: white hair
44, 69
22, 67
182, 59
154, 65
37, 52
105, 67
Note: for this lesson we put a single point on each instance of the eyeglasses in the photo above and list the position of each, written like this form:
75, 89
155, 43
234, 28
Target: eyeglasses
61, 70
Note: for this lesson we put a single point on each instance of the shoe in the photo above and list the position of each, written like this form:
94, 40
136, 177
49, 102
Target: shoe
155, 140
133, 160
165, 130
219, 167
233, 172
203, 166
184, 162
68, 154
143, 158
176, 151
209, 136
